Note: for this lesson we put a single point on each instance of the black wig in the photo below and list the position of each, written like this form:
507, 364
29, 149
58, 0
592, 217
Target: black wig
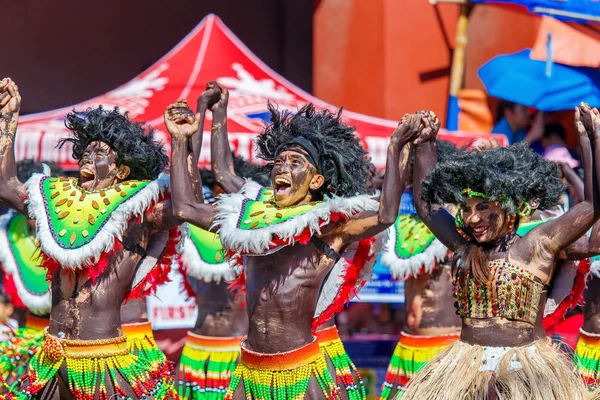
343, 160
134, 144
28, 167
242, 168
508, 175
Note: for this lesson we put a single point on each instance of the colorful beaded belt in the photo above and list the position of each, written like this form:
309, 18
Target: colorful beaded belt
281, 361
213, 343
56, 348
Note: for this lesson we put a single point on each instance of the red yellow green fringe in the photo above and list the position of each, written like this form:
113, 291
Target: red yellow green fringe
206, 366
411, 354
587, 358
16, 352
282, 375
90, 364
140, 341
345, 370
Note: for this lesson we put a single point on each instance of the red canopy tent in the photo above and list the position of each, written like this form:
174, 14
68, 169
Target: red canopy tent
210, 52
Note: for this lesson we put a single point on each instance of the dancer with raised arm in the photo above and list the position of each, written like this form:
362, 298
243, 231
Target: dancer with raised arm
500, 278
212, 348
289, 239
105, 237
346, 374
412, 253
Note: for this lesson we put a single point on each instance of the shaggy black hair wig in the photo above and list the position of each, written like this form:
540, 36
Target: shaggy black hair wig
344, 163
28, 167
444, 149
242, 168
133, 142
508, 175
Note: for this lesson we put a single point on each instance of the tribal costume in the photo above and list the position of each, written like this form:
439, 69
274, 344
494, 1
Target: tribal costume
252, 225
207, 362
206, 366
346, 373
78, 230
535, 370
25, 283
587, 358
141, 343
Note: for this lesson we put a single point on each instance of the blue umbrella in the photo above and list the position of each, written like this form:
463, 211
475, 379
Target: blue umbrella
517, 78
566, 10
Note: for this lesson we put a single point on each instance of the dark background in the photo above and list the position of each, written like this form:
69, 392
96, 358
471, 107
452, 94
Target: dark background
63, 52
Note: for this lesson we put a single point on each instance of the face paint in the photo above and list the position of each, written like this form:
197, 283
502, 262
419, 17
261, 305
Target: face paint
291, 176
485, 219
98, 167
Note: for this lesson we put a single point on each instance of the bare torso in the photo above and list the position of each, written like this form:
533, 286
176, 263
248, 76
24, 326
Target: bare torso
429, 304
134, 311
281, 294
84, 311
220, 314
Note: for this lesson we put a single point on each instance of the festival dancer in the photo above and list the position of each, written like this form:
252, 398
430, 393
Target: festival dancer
212, 348
24, 282
500, 278
412, 253
290, 238
222, 163
105, 237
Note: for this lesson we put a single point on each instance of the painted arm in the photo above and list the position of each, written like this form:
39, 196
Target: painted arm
221, 159
185, 202
368, 224
552, 235
437, 219
13, 192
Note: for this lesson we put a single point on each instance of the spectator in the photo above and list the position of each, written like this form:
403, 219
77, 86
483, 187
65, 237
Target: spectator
7, 323
515, 123
554, 135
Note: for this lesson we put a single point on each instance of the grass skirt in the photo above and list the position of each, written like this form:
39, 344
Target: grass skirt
411, 354
206, 366
471, 372
346, 374
282, 376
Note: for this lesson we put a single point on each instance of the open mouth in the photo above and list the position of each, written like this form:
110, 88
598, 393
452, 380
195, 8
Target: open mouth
282, 186
479, 231
86, 177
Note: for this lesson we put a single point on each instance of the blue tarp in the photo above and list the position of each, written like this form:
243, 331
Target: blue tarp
566, 10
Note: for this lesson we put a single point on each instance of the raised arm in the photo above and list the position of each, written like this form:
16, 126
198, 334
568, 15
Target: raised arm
368, 224
13, 191
221, 160
437, 219
552, 235
186, 205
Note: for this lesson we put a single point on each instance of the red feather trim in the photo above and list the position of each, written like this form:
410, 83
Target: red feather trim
575, 296
189, 292
11, 290
160, 273
239, 284
351, 277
